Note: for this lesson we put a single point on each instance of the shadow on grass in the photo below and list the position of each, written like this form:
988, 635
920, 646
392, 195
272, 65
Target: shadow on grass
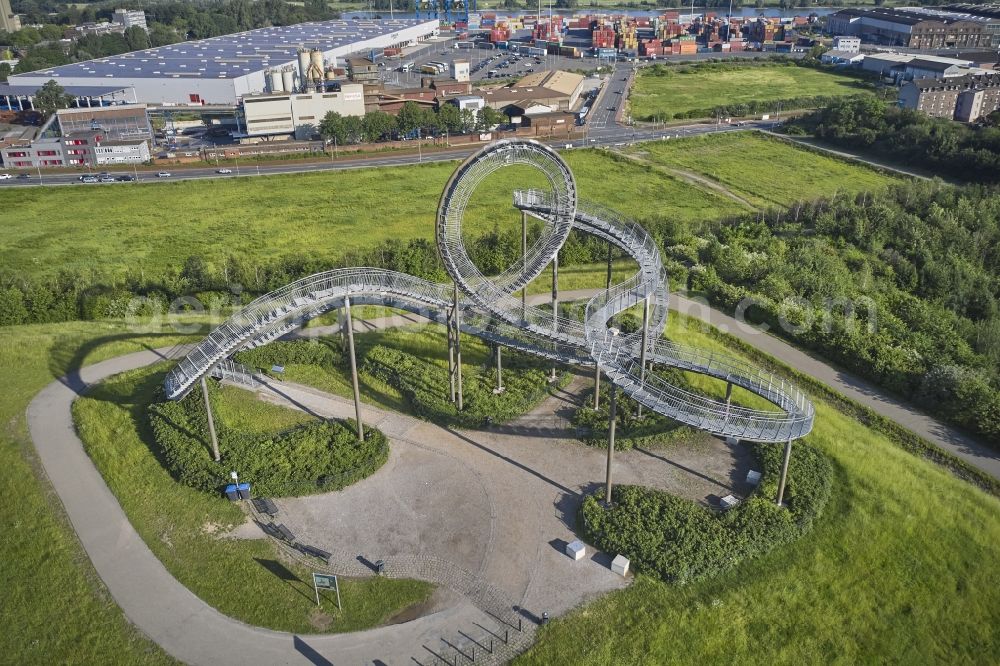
283, 574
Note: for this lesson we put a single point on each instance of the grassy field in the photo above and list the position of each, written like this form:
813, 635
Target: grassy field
674, 90
328, 214
182, 525
901, 569
760, 169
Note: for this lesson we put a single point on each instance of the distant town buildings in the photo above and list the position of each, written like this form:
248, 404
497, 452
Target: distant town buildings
91, 148
847, 44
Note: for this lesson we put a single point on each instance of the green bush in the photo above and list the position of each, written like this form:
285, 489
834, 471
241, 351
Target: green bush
425, 386
300, 352
314, 457
680, 541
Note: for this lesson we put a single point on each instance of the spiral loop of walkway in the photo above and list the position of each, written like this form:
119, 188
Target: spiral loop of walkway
492, 311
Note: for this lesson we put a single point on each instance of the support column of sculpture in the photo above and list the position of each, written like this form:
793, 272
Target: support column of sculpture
597, 371
211, 420
451, 353
354, 369
457, 320
612, 409
784, 472
524, 263
555, 304
499, 388
642, 352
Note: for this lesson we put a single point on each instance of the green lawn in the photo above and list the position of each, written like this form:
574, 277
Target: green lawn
661, 93
181, 525
326, 215
901, 568
321, 215
763, 170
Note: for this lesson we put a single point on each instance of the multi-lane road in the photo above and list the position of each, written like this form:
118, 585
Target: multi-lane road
602, 130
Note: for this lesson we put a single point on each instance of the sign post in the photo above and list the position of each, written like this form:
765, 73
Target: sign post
326, 582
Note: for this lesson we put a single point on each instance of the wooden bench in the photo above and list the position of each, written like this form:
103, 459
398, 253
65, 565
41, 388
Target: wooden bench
318, 553
265, 506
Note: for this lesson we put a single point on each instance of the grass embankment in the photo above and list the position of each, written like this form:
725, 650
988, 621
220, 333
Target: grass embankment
328, 214
184, 527
901, 568
662, 93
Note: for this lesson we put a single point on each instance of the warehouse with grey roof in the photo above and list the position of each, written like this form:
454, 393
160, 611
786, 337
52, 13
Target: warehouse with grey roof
221, 70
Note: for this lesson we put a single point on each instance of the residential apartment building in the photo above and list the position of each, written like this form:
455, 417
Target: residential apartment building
130, 18
966, 98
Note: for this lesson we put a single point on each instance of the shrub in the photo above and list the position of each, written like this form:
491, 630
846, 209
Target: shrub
313, 457
300, 352
425, 386
680, 541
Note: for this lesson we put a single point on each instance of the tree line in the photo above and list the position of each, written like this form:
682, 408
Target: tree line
412, 120
950, 149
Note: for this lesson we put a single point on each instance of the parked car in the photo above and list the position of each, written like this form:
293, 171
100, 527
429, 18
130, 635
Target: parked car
89, 179
223, 171
24, 176
5, 176
163, 174
107, 179
125, 179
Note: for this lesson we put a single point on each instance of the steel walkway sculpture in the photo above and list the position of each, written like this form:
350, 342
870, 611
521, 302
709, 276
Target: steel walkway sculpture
488, 307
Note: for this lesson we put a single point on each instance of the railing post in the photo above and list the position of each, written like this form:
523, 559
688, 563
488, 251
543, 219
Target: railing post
354, 369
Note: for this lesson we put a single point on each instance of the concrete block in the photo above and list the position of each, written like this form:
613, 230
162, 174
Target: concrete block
728, 502
620, 565
753, 477
732, 441
576, 550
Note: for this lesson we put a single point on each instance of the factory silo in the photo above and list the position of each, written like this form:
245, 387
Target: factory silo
303, 57
274, 78
288, 79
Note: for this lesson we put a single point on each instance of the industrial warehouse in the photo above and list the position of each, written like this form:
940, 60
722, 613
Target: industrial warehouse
221, 70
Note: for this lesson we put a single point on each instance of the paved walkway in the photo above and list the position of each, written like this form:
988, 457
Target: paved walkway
160, 606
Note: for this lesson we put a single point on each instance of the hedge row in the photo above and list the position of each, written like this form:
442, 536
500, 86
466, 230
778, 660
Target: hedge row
425, 387
313, 457
680, 541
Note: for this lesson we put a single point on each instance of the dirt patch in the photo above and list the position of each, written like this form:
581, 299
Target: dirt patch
320, 620
441, 599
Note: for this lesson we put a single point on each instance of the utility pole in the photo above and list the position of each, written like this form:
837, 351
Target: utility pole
354, 370
211, 421
611, 443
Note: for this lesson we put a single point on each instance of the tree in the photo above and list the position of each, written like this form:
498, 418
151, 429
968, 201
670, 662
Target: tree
5, 71
333, 129
161, 35
489, 118
411, 117
376, 125
136, 38
52, 96
449, 118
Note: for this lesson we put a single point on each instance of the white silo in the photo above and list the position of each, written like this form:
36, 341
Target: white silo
288, 79
274, 77
303, 56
